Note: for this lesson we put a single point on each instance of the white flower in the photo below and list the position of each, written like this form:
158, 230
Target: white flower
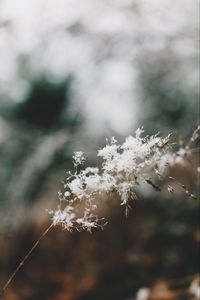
108, 152
67, 194
139, 132
78, 158
64, 217
86, 224
133, 163
195, 288
143, 294
76, 187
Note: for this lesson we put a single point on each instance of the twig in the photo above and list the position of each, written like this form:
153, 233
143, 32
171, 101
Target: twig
24, 260
179, 293
182, 280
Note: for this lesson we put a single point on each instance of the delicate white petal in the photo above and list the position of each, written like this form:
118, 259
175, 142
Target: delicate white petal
125, 166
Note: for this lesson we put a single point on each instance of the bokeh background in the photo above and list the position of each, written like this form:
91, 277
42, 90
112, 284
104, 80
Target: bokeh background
71, 74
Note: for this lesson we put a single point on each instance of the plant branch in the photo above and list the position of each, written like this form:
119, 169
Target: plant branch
8, 282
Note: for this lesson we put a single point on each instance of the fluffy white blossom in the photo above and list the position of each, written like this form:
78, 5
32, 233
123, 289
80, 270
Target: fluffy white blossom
143, 294
64, 217
78, 158
195, 288
125, 167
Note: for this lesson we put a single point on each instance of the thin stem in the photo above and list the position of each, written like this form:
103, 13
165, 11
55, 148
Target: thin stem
24, 260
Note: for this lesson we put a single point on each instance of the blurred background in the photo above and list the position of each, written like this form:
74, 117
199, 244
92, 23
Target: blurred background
71, 74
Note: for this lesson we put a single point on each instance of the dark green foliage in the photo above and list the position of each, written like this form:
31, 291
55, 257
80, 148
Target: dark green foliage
36, 142
45, 104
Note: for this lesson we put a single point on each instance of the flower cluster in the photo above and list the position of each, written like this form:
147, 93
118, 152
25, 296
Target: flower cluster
125, 167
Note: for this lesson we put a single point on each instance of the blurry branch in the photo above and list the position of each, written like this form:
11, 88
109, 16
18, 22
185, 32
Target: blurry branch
194, 137
162, 289
178, 281
37, 163
33, 170
124, 167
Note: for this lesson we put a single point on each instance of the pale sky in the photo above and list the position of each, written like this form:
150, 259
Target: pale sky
99, 42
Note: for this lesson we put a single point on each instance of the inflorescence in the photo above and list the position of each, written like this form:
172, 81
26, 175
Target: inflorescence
125, 167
